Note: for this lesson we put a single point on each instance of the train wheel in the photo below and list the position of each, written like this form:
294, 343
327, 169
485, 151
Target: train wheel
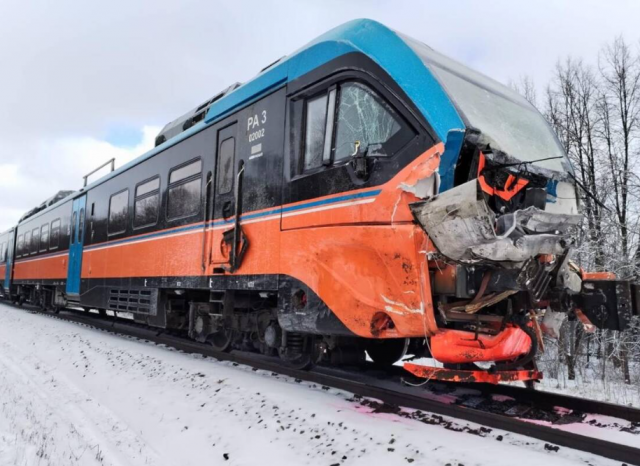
300, 352
301, 362
386, 352
221, 340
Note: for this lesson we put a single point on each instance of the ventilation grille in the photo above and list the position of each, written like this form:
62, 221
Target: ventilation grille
142, 301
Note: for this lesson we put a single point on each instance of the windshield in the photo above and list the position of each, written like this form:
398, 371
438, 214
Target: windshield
510, 123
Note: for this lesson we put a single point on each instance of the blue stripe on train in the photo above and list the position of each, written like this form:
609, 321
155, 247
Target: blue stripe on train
278, 210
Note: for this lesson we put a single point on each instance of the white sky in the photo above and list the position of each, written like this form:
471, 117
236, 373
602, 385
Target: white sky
82, 81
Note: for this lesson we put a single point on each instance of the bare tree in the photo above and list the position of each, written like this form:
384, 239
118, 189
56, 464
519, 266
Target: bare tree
571, 104
596, 115
619, 108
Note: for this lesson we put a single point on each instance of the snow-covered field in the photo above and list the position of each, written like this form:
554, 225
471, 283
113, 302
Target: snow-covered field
595, 389
71, 395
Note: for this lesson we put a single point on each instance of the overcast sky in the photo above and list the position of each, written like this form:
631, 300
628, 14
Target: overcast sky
82, 81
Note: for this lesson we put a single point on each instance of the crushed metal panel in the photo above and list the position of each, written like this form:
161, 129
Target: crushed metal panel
456, 220
461, 225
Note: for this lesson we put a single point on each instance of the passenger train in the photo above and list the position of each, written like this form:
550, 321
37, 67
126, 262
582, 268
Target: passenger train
363, 194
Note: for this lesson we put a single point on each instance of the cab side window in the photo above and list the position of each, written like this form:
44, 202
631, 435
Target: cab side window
347, 118
363, 116
315, 131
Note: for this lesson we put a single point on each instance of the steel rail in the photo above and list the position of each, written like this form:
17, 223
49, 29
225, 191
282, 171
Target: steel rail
596, 446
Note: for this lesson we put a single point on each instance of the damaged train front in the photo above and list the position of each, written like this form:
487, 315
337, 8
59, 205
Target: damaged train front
501, 269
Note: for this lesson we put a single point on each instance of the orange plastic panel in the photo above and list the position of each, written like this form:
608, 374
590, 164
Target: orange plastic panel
459, 347
479, 376
598, 275
512, 187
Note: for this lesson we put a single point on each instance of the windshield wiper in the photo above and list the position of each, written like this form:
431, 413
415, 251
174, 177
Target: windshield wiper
518, 164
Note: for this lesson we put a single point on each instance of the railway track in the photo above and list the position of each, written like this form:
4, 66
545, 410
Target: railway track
535, 414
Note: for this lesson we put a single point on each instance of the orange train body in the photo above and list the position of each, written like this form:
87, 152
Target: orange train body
370, 260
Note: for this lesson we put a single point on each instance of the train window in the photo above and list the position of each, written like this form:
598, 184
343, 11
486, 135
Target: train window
72, 238
27, 243
185, 172
81, 226
44, 237
147, 203
54, 240
315, 125
2, 252
35, 240
20, 245
225, 165
363, 116
118, 211
184, 191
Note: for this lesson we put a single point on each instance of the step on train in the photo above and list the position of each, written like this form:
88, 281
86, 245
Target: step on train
365, 195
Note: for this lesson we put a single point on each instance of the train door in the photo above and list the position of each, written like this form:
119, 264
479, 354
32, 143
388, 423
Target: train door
223, 195
9, 264
76, 241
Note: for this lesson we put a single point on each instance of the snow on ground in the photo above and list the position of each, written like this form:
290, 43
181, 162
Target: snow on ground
71, 395
592, 387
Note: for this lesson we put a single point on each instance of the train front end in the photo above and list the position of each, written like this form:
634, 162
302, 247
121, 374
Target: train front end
502, 228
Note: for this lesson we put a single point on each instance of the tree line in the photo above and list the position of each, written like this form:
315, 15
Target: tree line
594, 109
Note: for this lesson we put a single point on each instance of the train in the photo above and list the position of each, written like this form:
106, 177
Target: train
365, 195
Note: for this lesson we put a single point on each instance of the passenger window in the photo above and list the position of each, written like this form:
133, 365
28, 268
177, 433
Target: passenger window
44, 237
363, 116
225, 165
54, 241
35, 237
315, 124
147, 204
184, 191
20, 245
81, 226
2, 252
118, 211
27, 243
